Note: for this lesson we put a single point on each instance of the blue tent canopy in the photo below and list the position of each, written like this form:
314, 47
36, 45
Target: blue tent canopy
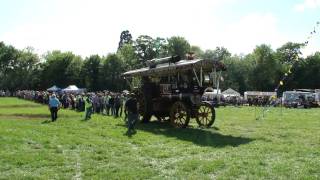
54, 89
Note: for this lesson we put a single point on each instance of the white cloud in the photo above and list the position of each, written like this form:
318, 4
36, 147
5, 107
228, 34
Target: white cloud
253, 29
307, 4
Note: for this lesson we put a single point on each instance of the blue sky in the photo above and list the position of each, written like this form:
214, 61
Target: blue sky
94, 26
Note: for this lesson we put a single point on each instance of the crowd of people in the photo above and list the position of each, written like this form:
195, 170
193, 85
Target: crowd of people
105, 102
4, 93
241, 101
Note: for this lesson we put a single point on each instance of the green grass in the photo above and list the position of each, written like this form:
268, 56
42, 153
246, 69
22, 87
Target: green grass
283, 145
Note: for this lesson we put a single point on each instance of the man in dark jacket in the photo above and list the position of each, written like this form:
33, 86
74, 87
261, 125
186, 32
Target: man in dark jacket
132, 110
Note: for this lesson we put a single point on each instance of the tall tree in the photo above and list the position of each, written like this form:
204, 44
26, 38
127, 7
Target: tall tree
58, 69
112, 68
129, 57
219, 54
144, 46
73, 71
160, 47
197, 51
24, 72
91, 70
8, 63
305, 74
125, 38
264, 74
289, 52
237, 74
178, 46
208, 54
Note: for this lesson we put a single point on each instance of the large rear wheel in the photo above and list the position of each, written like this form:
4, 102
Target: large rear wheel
205, 115
179, 115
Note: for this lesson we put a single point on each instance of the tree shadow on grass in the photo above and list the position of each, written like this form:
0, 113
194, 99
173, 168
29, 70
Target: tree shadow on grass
202, 137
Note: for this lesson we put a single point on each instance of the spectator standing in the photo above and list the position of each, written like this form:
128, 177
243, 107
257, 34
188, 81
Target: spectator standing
54, 104
132, 110
88, 106
111, 104
123, 100
107, 99
117, 104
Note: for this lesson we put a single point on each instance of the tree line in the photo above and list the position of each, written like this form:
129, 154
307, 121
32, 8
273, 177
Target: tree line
259, 70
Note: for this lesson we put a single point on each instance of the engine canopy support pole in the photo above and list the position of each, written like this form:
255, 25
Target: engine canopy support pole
195, 73
201, 80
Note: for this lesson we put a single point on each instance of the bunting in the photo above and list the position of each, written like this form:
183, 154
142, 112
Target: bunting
293, 63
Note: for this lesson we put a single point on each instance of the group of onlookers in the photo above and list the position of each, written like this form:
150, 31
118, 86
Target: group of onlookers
263, 101
104, 102
240, 101
4, 93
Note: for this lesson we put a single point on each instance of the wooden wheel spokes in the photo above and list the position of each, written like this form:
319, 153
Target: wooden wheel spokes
179, 115
206, 115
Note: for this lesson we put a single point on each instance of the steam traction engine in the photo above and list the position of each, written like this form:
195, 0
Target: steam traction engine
172, 89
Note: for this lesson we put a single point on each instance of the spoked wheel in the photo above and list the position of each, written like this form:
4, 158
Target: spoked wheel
205, 115
179, 115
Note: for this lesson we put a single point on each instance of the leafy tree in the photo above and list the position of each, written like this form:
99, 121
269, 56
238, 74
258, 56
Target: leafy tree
58, 69
178, 46
288, 52
237, 74
129, 57
221, 53
73, 71
8, 56
208, 54
144, 46
264, 74
91, 70
125, 38
8, 63
112, 68
197, 51
305, 74
148, 48
24, 72
161, 47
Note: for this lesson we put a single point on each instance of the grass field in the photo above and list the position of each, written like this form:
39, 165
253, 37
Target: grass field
283, 145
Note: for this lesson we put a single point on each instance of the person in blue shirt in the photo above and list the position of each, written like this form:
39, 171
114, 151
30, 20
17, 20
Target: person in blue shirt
54, 105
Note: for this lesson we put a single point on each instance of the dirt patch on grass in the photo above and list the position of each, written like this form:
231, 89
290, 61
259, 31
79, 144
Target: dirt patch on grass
20, 106
31, 116
25, 116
